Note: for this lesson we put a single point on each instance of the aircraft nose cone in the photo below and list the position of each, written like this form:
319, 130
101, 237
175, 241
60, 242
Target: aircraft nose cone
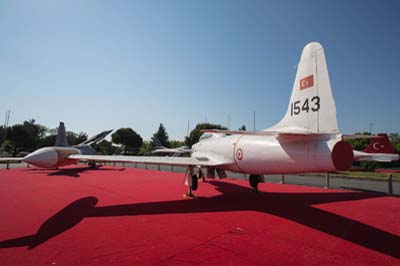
45, 158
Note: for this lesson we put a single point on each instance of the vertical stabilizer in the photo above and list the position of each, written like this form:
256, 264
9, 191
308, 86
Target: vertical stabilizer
61, 140
311, 108
380, 144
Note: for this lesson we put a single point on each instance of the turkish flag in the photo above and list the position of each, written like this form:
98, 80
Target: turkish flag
307, 82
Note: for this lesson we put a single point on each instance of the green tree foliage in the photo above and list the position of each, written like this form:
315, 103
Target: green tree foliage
395, 140
359, 144
49, 139
373, 165
105, 147
35, 130
7, 148
176, 143
160, 138
25, 137
396, 147
128, 138
243, 128
2, 132
145, 149
76, 138
195, 134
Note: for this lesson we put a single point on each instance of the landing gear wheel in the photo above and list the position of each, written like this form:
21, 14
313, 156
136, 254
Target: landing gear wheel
254, 180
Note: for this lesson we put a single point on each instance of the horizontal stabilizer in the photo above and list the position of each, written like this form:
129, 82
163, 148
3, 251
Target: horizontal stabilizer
348, 137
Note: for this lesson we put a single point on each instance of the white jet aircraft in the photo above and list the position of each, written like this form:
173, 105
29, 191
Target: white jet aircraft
160, 149
58, 155
307, 139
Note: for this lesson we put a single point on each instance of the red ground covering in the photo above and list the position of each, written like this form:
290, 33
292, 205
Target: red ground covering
115, 216
387, 170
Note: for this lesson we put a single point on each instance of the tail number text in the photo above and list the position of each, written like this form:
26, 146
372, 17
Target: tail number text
312, 105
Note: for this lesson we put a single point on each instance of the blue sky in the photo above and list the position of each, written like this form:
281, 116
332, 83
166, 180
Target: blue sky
99, 65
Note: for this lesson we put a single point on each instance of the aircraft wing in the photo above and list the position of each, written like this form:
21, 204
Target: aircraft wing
201, 160
11, 159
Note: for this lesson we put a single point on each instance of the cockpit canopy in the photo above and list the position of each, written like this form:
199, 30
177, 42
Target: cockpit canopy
208, 135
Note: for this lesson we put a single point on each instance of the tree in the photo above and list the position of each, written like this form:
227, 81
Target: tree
76, 138
36, 131
7, 147
195, 134
128, 138
243, 128
26, 136
23, 141
359, 144
395, 140
104, 147
49, 139
160, 138
176, 143
146, 148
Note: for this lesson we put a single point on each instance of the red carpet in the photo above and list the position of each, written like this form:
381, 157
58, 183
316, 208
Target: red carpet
114, 216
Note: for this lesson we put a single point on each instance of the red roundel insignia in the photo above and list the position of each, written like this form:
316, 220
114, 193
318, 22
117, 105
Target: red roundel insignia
239, 154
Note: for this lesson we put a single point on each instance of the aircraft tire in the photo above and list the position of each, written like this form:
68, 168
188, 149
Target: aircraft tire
254, 180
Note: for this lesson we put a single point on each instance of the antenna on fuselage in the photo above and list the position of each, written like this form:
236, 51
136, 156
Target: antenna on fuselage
7, 119
254, 121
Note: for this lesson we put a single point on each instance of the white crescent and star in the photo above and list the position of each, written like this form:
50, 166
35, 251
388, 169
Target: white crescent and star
304, 83
377, 146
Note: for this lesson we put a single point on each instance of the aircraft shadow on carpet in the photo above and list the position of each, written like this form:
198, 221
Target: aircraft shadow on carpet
297, 207
71, 172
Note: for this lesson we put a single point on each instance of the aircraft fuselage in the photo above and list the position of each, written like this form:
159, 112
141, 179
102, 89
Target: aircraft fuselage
52, 157
254, 154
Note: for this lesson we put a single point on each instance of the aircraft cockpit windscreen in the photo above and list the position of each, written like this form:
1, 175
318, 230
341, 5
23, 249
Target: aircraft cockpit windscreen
205, 136
211, 135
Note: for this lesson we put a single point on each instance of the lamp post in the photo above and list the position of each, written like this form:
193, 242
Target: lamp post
254, 121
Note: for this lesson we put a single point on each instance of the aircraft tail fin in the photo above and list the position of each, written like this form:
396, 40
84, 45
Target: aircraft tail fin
380, 144
61, 140
311, 108
96, 138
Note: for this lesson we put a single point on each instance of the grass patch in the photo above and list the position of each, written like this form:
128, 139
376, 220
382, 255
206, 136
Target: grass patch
361, 175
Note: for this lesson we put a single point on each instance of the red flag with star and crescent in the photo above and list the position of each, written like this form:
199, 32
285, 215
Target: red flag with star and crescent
307, 82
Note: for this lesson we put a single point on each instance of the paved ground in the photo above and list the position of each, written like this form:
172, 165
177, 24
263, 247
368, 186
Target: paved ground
381, 186
124, 216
